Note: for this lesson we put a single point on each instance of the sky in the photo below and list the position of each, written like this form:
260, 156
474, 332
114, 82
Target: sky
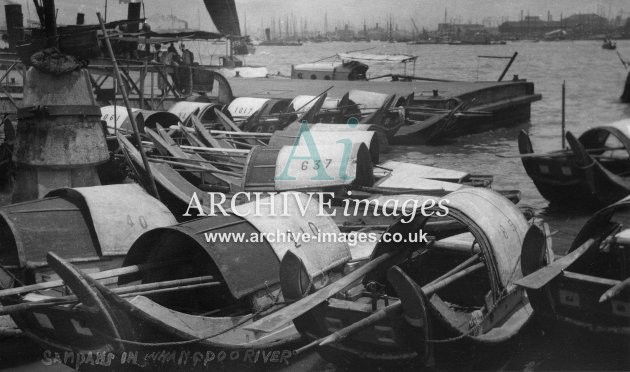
426, 13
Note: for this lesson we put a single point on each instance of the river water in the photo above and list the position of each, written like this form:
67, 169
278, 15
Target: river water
594, 80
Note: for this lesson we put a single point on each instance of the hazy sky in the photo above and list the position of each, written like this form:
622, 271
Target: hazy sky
426, 13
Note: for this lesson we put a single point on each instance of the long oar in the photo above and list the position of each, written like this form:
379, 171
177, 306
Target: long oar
249, 135
127, 291
615, 290
100, 275
213, 151
557, 154
132, 119
387, 311
195, 167
474, 258
273, 321
539, 278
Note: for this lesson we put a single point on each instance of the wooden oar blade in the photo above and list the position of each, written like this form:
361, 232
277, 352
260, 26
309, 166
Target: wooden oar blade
227, 123
281, 317
312, 112
539, 278
415, 308
413, 299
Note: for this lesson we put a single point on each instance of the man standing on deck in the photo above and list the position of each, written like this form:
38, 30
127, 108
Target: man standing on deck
187, 56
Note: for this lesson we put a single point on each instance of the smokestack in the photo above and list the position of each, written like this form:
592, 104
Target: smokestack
50, 23
80, 19
15, 24
133, 12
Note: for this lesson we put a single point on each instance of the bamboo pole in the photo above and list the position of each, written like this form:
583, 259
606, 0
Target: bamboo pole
386, 311
200, 161
456, 269
563, 113
196, 167
100, 275
505, 70
241, 134
127, 291
132, 119
221, 151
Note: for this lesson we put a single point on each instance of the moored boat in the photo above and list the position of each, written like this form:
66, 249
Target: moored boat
182, 303
409, 314
92, 226
609, 44
591, 174
584, 296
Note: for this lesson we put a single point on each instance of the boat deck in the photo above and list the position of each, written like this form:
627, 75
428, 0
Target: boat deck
289, 88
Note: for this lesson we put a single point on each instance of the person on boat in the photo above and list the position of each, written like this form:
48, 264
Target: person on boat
156, 54
184, 73
188, 58
174, 55
169, 58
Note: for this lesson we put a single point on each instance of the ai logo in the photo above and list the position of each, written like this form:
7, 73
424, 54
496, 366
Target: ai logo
313, 159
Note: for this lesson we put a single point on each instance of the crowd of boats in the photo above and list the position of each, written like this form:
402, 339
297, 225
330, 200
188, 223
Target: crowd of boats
103, 264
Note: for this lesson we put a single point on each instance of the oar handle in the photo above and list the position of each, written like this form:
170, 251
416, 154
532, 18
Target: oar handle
388, 310
614, 290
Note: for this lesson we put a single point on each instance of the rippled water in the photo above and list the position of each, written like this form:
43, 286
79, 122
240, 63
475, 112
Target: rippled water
594, 80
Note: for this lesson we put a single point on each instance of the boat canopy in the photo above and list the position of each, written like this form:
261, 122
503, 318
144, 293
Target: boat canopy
401, 58
609, 138
323, 66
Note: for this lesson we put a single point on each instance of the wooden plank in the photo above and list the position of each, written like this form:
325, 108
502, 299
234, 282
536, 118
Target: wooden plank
538, 279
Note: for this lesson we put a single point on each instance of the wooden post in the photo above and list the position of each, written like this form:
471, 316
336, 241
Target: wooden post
132, 119
563, 112
115, 107
152, 89
507, 67
143, 75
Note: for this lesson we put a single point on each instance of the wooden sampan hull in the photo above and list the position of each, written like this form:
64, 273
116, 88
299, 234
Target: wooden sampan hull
499, 229
143, 118
591, 175
160, 338
330, 135
268, 169
185, 109
120, 334
569, 305
558, 179
93, 227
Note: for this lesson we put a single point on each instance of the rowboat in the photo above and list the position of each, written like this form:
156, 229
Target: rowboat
585, 294
182, 303
92, 226
410, 313
609, 44
591, 174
